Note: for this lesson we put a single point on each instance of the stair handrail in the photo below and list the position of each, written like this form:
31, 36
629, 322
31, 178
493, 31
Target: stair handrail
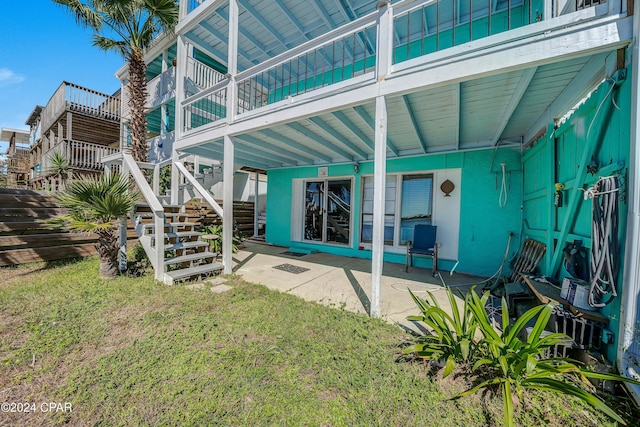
199, 188
131, 167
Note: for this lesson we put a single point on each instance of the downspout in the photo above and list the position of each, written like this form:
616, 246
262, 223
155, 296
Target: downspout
628, 364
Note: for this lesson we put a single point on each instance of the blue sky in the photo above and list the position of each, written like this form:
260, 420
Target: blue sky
40, 46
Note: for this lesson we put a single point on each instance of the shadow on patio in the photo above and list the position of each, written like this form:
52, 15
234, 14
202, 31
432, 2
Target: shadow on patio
343, 282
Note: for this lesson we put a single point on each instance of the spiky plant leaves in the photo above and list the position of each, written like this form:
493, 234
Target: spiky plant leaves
95, 204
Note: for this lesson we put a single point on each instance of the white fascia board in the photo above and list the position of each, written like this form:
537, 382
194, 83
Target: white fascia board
540, 49
200, 13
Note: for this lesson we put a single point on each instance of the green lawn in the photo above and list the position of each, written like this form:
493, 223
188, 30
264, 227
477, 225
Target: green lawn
133, 352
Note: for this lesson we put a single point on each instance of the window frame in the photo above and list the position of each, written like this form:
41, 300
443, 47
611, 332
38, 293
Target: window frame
396, 244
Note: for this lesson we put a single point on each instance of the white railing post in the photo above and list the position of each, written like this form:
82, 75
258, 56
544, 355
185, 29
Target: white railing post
156, 179
232, 65
227, 205
181, 67
384, 59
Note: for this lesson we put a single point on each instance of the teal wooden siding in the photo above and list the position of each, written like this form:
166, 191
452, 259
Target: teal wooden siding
556, 158
484, 226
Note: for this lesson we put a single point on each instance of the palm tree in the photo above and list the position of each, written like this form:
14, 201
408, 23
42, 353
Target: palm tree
128, 27
59, 168
96, 204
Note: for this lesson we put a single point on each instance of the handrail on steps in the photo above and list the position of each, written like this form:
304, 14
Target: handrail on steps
131, 167
199, 188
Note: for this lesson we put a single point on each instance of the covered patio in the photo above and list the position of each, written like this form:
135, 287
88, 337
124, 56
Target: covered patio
344, 283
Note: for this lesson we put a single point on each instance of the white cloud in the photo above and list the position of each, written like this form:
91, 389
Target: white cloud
8, 77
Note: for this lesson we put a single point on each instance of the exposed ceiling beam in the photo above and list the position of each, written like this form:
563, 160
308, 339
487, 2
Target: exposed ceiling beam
518, 93
238, 157
326, 18
414, 123
455, 101
220, 36
224, 15
203, 46
337, 136
370, 122
303, 131
591, 74
296, 145
291, 17
349, 15
260, 147
353, 129
265, 23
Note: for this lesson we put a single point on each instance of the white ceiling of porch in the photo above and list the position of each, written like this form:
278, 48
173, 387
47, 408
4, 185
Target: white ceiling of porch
474, 114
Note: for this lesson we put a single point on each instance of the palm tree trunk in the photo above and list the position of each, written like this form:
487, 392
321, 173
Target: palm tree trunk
137, 100
107, 247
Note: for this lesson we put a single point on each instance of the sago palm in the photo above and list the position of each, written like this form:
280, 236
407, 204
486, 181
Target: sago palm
59, 167
95, 204
128, 27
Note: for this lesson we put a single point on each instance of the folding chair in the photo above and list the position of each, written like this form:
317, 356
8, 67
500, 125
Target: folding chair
424, 243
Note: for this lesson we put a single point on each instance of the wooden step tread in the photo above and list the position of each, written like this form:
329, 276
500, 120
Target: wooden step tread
182, 234
194, 271
186, 245
188, 258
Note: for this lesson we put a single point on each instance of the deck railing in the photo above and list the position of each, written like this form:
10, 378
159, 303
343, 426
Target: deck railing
82, 100
160, 86
201, 75
79, 155
338, 56
350, 54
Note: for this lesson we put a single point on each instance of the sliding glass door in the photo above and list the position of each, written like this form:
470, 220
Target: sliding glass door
327, 211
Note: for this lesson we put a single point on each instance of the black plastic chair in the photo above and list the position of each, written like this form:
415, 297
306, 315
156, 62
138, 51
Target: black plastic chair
424, 243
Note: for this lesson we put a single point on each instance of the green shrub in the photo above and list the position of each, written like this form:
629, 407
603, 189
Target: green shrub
502, 357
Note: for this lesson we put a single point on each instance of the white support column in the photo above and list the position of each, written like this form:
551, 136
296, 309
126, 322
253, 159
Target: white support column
156, 179
385, 39
175, 178
227, 206
232, 61
379, 186
256, 208
628, 346
180, 72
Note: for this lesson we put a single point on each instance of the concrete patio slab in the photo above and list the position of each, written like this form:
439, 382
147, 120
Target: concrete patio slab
345, 282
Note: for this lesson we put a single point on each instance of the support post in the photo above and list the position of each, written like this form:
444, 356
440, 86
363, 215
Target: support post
256, 208
379, 186
629, 321
227, 206
180, 73
175, 176
156, 179
232, 65
385, 39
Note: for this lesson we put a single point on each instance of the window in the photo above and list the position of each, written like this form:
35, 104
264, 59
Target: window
408, 201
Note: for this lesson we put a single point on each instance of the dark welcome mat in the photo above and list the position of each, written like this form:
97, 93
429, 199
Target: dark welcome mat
291, 253
291, 268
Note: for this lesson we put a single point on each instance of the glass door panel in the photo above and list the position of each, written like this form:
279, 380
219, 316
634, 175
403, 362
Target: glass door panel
338, 211
314, 211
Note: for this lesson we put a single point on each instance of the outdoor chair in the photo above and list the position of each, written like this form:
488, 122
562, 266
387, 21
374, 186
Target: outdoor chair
424, 243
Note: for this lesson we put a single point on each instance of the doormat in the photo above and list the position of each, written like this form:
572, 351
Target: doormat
291, 268
291, 253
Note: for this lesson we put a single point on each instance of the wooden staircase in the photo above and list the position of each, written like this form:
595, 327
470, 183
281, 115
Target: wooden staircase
186, 255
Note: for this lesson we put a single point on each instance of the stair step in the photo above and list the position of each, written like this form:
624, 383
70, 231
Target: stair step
186, 273
182, 234
188, 258
152, 227
186, 245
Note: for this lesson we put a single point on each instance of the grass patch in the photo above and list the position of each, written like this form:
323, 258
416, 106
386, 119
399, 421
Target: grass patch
134, 352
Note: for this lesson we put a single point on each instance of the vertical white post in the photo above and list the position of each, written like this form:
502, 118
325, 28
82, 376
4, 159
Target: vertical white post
227, 206
379, 186
183, 9
232, 63
175, 177
627, 334
180, 73
256, 208
156, 179
122, 252
385, 39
